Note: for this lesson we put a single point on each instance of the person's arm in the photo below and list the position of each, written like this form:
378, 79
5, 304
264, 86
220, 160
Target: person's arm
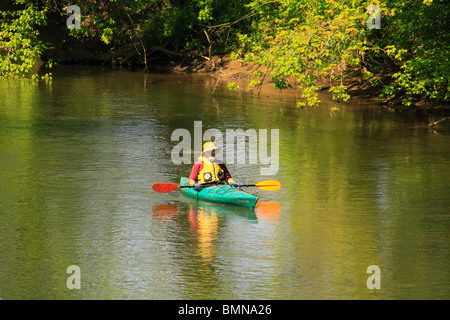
193, 177
228, 177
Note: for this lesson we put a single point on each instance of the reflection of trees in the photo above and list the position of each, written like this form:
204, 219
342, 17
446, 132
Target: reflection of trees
362, 187
66, 174
357, 188
33, 241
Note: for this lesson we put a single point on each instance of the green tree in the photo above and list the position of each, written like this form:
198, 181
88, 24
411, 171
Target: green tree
328, 40
20, 47
306, 42
414, 46
312, 44
129, 32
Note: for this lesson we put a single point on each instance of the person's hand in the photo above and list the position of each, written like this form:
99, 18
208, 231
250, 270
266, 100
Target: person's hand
197, 185
239, 184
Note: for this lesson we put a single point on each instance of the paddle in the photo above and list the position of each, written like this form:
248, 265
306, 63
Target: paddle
267, 185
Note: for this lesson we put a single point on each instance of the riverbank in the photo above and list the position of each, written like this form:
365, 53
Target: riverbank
228, 70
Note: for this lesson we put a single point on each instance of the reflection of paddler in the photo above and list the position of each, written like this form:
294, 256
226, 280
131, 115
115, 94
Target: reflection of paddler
205, 225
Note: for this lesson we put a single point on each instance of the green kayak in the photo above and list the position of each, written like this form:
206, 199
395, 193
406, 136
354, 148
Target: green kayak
220, 194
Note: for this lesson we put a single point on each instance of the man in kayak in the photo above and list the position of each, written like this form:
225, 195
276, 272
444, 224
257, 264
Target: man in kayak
207, 170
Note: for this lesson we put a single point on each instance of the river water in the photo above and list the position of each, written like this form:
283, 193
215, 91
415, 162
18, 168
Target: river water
79, 155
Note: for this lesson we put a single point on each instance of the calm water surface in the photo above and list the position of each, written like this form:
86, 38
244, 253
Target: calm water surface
78, 157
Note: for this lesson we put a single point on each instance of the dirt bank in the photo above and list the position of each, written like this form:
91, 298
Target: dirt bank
227, 70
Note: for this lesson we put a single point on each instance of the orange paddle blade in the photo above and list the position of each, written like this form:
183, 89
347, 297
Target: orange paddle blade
164, 187
269, 185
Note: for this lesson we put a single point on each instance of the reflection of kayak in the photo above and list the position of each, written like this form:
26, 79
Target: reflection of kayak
220, 194
171, 211
221, 210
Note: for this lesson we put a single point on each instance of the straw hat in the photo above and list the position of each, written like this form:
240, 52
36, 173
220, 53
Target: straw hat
209, 146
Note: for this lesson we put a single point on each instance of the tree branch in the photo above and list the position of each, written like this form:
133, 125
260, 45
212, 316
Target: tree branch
433, 124
248, 15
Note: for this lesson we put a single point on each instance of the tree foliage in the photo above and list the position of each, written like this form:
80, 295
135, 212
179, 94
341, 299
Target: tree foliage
306, 41
415, 40
327, 41
312, 44
19, 43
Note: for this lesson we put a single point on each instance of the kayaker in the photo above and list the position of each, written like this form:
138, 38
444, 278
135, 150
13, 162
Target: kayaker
209, 170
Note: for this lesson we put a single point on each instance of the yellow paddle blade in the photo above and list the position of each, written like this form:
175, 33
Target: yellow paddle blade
268, 185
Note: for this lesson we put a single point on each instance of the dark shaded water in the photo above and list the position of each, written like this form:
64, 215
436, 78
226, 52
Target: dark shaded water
78, 157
